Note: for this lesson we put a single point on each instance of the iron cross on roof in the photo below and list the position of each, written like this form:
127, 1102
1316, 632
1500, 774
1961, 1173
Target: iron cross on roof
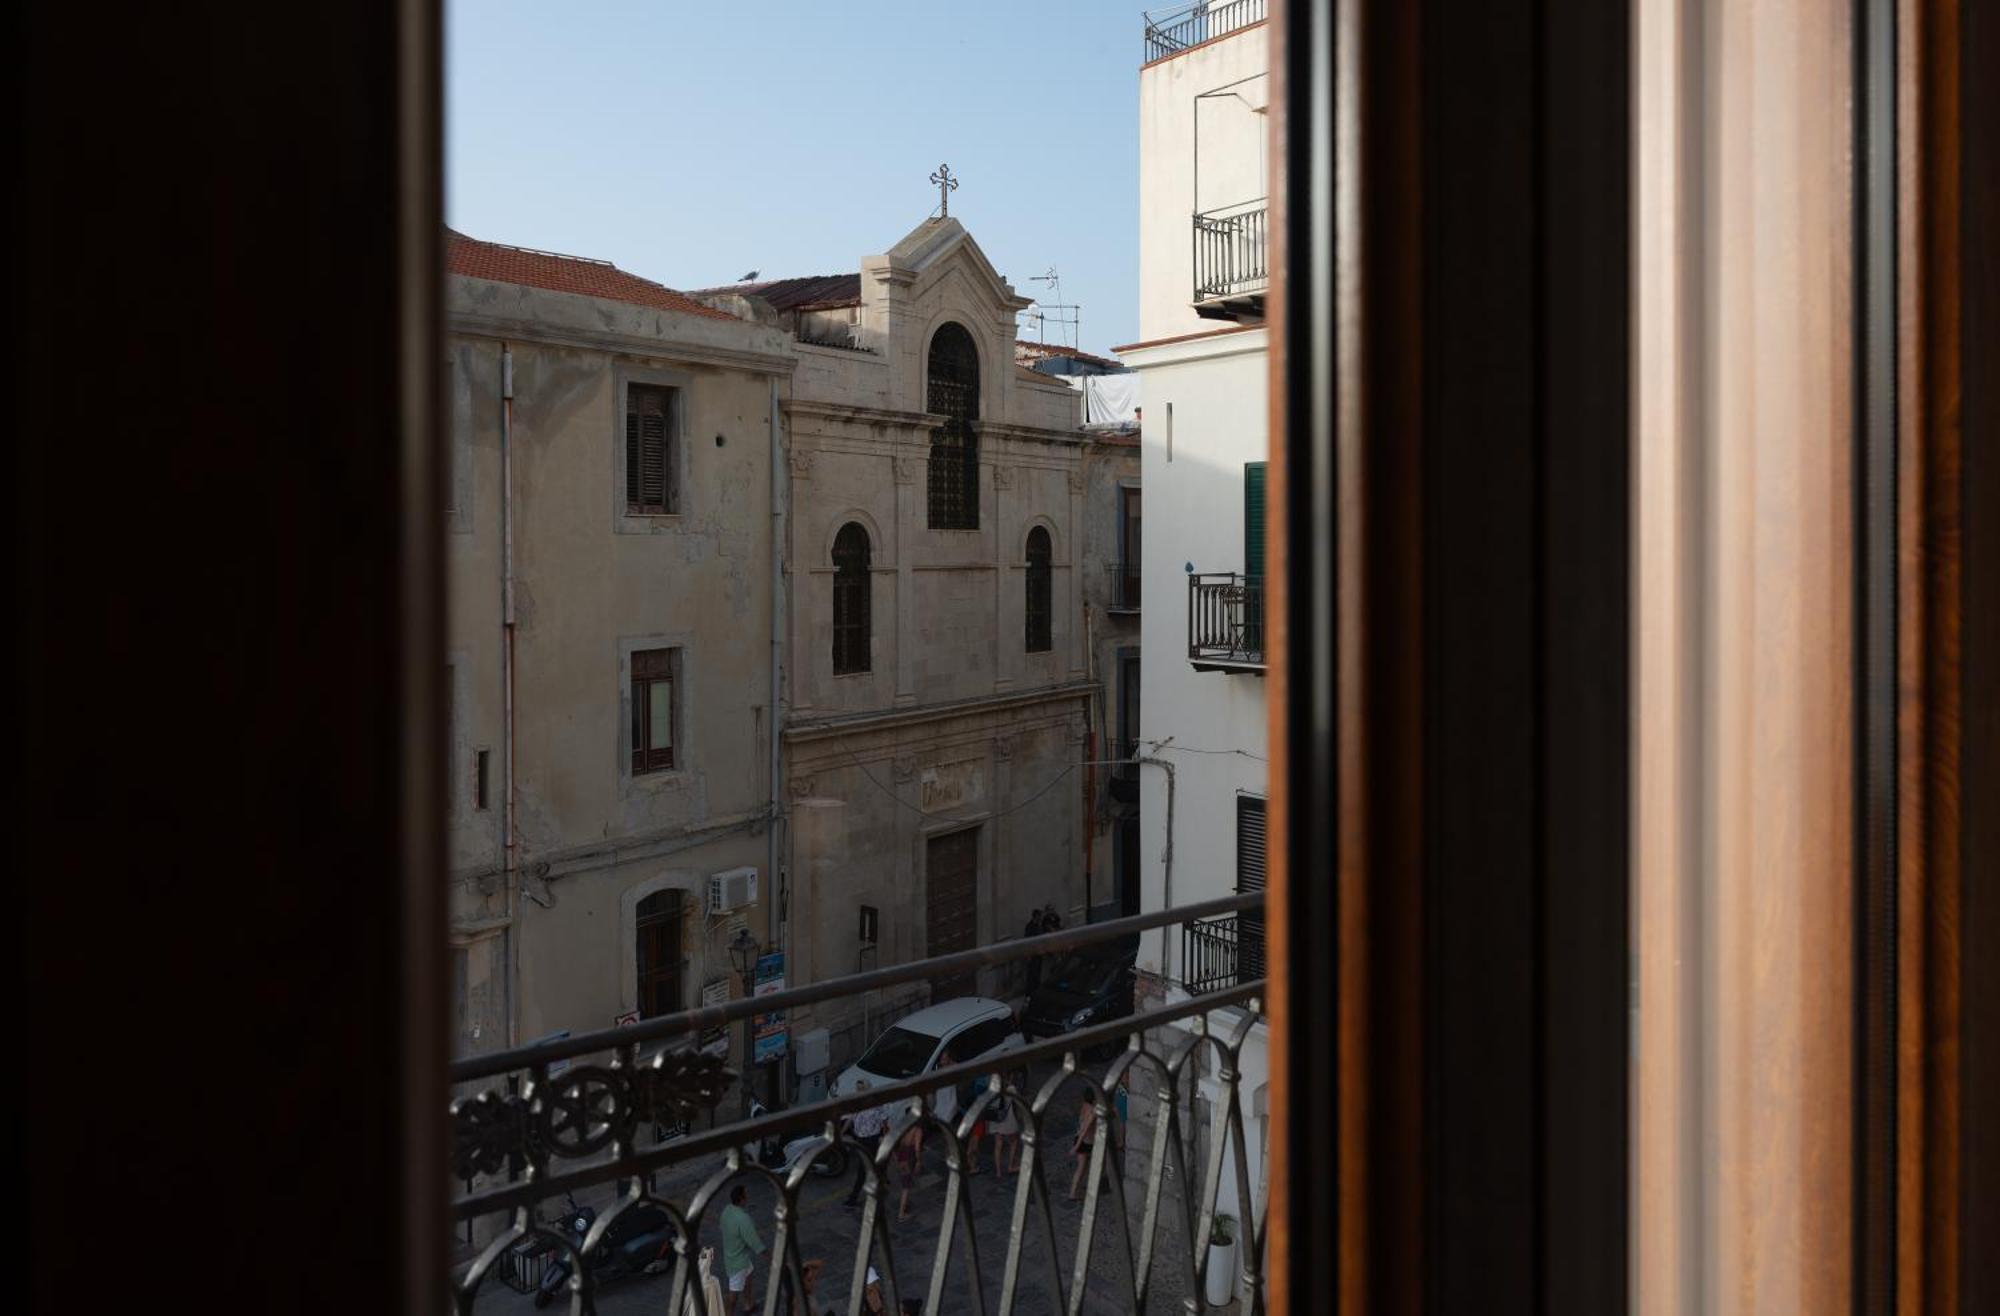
946, 185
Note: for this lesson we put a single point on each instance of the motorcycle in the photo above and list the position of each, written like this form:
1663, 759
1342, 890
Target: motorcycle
780, 1158
639, 1242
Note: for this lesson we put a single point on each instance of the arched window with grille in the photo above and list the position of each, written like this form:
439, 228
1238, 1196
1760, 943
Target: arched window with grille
850, 600
952, 391
659, 951
1039, 592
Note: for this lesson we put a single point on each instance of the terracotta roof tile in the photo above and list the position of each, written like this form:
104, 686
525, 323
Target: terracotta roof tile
812, 292
558, 273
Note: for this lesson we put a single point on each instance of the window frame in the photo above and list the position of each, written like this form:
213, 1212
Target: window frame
856, 586
956, 442
1038, 593
640, 709
626, 375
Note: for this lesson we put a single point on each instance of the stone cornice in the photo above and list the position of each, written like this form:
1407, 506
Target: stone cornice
891, 718
657, 349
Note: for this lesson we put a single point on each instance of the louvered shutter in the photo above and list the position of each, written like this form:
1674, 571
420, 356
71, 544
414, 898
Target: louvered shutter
1253, 520
1250, 877
648, 470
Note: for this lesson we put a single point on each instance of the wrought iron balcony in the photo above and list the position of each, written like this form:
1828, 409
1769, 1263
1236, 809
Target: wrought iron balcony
1209, 957
617, 1114
1232, 266
1124, 577
1226, 622
1170, 31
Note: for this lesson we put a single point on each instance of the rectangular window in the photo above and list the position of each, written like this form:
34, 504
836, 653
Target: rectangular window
480, 760
649, 450
655, 712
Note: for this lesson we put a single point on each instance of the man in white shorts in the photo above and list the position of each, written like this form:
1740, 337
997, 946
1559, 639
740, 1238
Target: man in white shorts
740, 1248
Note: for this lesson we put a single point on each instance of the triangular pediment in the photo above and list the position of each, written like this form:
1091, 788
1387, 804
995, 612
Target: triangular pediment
936, 246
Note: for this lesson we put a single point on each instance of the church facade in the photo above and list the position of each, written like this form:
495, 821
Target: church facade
938, 687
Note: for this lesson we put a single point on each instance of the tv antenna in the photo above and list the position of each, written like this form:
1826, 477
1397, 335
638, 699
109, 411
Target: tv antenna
1054, 311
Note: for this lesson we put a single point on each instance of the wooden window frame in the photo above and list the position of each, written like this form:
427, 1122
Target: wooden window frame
1038, 592
853, 619
662, 665
952, 474
668, 398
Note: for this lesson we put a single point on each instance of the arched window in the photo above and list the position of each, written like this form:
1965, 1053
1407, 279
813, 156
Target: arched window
1038, 591
953, 392
850, 599
659, 950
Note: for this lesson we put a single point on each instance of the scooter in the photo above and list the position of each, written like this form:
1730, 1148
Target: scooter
639, 1242
779, 1159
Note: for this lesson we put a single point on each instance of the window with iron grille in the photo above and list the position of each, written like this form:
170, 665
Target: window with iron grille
659, 951
850, 600
953, 392
1249, 877
1039, 590
649, 450
655, 711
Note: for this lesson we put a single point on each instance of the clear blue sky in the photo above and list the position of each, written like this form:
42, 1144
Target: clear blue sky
691, 142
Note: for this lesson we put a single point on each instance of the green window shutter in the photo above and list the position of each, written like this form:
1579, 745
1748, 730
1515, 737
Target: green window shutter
1253, 520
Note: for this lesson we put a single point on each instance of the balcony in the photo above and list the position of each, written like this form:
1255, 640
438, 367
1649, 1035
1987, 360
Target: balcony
1226, 622
1124, 578
1217, 953
623, 1122
1170, 31
1232, 267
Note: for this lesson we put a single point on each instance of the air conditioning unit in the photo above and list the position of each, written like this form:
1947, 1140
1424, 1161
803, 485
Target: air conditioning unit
731, 889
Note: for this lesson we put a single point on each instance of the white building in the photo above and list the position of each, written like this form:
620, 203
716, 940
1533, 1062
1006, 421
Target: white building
1201, 361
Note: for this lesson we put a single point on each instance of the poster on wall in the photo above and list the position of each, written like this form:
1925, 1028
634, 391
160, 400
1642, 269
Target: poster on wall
768, 1035
715, 1041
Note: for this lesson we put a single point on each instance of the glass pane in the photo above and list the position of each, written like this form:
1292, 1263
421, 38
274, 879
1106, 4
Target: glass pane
660, 711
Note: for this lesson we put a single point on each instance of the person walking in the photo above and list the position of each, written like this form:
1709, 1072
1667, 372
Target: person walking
1006, 1127
1034, 962
868, 1126
741, 1247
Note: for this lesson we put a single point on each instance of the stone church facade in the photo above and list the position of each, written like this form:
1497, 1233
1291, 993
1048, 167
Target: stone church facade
938, 682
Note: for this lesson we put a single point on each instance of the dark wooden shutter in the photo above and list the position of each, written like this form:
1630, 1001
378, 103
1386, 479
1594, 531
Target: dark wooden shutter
648, 468
1253, 520
851, 621
1250, 877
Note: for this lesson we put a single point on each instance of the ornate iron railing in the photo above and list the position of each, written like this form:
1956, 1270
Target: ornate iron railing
1171, 31
567, 1116
1209, 954
1124, 578
1225, 620
1232, 251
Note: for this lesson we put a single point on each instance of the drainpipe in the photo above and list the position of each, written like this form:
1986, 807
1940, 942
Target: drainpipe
1166, 852
510, 851
1090, 716
779, 897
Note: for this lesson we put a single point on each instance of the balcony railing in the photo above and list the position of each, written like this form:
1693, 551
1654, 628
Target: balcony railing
1209, 954
1226, 621
1170, 31
1124, 577
545, 1123
1232, 265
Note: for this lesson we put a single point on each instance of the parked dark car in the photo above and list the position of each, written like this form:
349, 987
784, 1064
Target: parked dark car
1083, 987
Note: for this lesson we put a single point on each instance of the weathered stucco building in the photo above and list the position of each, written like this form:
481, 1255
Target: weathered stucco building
939, 687
611, 457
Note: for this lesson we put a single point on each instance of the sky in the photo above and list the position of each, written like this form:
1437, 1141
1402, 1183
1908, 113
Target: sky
691, 143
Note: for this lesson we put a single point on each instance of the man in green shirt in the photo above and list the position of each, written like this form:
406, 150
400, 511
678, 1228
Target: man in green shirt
740, 1247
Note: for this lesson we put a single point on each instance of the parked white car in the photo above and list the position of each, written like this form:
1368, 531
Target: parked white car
973, 1027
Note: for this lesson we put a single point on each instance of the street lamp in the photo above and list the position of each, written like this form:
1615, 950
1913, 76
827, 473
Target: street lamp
743, 954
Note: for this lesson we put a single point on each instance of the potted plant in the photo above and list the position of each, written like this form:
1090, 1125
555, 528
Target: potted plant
1221, 1278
